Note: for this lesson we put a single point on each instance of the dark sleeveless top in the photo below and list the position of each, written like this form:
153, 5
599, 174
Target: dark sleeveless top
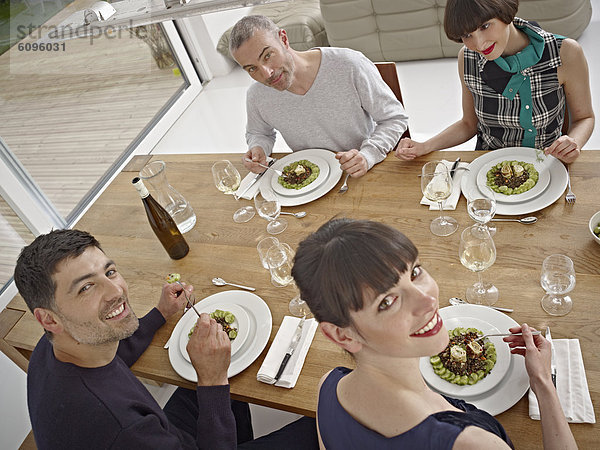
339, 430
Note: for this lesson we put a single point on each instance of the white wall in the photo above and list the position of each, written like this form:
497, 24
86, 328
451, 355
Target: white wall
206, 30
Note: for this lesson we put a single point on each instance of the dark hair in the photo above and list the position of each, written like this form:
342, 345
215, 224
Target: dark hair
245, 28
37, 263
465, 16
345, 260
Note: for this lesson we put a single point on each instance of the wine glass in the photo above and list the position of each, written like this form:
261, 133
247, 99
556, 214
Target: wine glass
558, 278
268, 207
280, 259
436, 185
477, 252
299, 307
481, 206
227, 180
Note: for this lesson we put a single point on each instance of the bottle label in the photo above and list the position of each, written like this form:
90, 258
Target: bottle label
139, 185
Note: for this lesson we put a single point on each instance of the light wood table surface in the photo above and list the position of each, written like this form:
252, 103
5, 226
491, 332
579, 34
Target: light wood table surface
389, 193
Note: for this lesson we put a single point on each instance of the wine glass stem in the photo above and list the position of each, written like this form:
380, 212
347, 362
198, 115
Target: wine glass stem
441, 205
480, 287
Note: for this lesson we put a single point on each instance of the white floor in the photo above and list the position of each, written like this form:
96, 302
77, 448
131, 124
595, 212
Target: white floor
215, 124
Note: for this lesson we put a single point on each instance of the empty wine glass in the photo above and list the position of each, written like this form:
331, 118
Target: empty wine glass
481, 206
436, 185
280, 259
557, 279
267, 204
227, 180
477, 252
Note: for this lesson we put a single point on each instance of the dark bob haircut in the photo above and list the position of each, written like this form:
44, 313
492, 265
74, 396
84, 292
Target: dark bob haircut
465, 16
345, 261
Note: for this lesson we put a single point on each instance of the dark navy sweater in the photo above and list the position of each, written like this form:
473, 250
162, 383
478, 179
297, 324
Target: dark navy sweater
106, 407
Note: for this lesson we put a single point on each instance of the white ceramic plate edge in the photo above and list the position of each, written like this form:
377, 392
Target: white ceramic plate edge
558, 174
335, 173
516, 382
252, 348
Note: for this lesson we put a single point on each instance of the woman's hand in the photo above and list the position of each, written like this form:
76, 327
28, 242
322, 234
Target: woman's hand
537, 352
564, 148
408, 149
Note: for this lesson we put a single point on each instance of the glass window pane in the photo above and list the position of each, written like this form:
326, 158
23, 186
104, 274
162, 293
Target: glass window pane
71, 110
14, 235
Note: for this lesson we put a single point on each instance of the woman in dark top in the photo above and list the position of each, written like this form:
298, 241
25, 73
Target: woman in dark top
364, 284
516, 81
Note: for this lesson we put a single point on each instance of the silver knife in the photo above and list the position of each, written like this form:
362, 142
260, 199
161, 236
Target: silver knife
291, 349
552, 360
454, 166
253, 182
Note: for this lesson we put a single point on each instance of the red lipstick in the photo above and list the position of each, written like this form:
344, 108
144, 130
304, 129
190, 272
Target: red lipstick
489, 50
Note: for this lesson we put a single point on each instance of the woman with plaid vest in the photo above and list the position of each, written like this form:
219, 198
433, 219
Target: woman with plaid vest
517, 83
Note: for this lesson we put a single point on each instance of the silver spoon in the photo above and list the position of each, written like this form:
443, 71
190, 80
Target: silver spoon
299, 215
525, 220
221, 282
459, 301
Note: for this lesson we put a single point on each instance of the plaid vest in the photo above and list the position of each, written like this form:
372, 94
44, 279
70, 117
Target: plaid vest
531, 118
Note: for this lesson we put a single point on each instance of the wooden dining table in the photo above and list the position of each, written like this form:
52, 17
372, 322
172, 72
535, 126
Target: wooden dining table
390, 193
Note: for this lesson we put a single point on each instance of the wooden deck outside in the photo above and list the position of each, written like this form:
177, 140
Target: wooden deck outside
68, 115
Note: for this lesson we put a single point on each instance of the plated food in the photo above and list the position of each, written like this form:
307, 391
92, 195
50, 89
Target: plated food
254, 323
299, 174
226, 319
465, 360
512, 177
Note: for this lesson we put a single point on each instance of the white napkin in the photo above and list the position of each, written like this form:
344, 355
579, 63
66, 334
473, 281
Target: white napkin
571, 384
280, 346
451, 202
249, 195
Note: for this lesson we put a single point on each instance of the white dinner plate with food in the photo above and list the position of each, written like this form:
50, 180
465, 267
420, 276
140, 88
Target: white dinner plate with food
318, 181
259, 330
241, 324
335, 173
515, 382
540, 186
556, 170
493, 378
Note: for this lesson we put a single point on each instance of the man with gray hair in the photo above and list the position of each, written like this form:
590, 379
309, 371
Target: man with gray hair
326, 97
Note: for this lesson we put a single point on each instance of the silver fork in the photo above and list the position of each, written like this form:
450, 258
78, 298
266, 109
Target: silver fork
534, 333
570, 197
344, 187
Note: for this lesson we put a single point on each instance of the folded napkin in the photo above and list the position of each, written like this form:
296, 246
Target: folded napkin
249, 195
451, 202
279, 348
571, 384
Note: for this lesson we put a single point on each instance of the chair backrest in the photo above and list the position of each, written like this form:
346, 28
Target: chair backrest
388, 72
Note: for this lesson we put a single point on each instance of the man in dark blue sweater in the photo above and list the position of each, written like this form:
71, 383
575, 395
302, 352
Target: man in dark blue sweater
81, 392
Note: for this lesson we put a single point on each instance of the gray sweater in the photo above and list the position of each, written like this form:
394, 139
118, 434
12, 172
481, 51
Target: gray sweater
348, 106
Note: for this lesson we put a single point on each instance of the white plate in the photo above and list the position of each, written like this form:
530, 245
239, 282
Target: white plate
241, 323
490, 381
323, 173
558, 176
540, 186
516, 382
335, 173
258, 334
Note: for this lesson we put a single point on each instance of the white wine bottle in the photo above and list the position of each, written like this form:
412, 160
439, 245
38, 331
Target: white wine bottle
162, 223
